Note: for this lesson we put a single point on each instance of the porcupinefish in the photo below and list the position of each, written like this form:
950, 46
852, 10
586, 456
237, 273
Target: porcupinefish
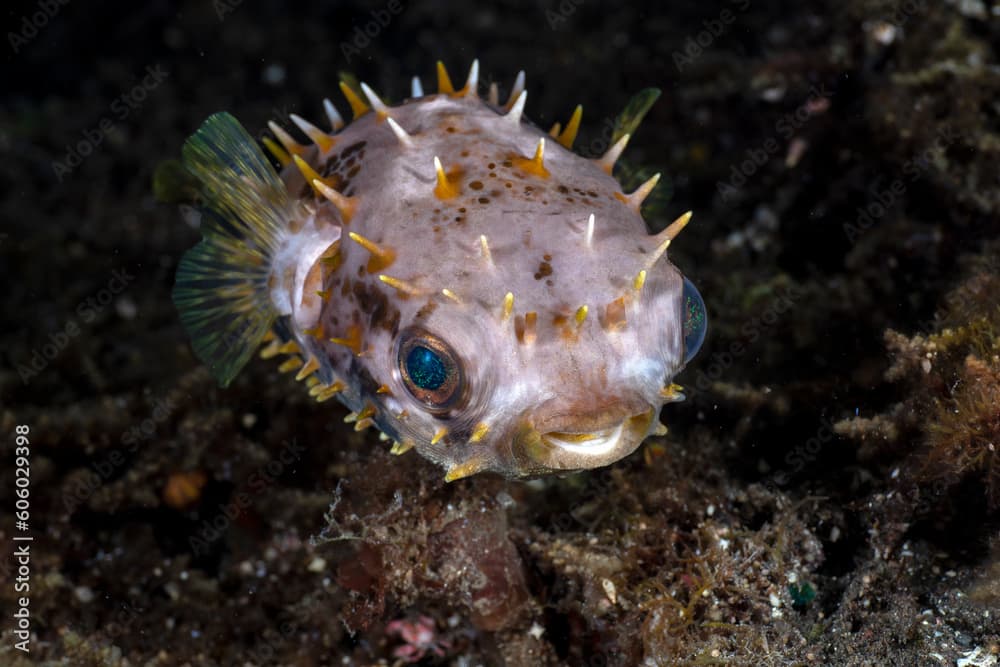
457, 277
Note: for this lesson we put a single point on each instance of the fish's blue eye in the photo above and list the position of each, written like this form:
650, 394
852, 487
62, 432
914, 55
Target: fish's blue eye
425, 368
430, 370
695, 321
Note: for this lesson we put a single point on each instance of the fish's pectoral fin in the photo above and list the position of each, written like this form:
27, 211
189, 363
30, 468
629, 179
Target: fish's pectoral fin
222, 287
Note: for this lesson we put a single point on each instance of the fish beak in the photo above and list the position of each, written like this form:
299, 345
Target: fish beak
538, 452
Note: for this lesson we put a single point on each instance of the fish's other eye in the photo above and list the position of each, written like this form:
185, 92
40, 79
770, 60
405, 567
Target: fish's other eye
695, 321
431, 370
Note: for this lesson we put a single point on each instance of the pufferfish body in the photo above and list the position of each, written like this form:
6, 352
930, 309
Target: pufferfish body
458, 278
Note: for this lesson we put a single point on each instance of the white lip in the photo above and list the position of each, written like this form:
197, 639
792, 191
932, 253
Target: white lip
591, 444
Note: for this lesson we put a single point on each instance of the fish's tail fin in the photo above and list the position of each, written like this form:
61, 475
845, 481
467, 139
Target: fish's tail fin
222, 286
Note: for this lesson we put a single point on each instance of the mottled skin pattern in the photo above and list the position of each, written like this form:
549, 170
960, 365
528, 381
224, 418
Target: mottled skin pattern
459, 279
542, 391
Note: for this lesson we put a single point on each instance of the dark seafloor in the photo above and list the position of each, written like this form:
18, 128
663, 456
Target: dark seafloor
829, 493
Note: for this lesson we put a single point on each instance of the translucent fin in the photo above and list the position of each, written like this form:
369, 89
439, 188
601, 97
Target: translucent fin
222, 283
633, 113
173, 184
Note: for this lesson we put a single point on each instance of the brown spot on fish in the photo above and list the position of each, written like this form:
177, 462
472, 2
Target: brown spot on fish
426, 310
544, 270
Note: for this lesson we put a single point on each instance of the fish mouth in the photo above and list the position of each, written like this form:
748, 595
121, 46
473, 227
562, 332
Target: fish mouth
583, 449
586, 444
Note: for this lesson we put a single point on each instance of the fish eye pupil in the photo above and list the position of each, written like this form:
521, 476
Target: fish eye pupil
426, 368
431, 371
